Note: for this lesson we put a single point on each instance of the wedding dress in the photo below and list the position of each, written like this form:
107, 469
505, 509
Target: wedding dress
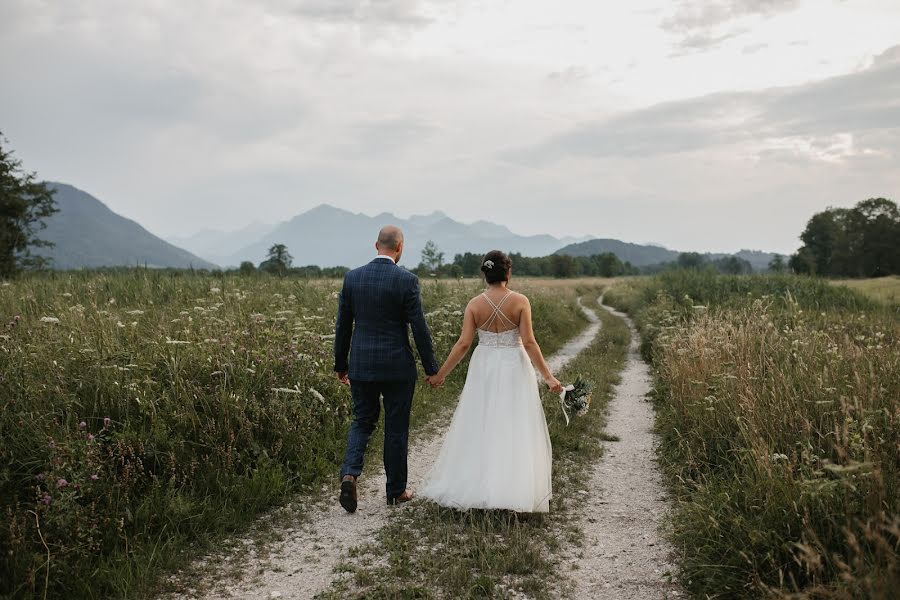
496, 453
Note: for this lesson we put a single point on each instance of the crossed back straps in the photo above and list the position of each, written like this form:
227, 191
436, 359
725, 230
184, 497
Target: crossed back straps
497, 314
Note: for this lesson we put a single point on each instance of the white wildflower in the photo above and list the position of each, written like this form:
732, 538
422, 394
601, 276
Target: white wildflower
317, 395
53, 320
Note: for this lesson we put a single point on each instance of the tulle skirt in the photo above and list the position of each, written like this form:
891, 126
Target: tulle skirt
496, 453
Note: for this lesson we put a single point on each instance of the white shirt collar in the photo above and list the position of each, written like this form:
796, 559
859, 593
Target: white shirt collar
387, 257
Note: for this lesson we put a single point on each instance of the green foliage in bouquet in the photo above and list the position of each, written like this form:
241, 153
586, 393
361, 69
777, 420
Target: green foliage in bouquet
577, 397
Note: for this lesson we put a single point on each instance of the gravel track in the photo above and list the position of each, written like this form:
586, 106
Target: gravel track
625, 556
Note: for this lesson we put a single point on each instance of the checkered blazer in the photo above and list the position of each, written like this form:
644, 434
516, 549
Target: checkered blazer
378, 305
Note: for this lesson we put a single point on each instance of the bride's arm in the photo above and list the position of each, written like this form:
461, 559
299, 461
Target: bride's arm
460, 348
526, 331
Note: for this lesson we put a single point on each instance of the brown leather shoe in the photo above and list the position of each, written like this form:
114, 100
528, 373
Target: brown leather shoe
348, 498
404, 497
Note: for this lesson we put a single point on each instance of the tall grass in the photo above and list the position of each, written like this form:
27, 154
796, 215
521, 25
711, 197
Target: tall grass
779, 407
142, 413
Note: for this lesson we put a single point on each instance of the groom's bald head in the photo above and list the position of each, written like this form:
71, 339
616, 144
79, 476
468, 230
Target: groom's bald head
390, 242
390, 238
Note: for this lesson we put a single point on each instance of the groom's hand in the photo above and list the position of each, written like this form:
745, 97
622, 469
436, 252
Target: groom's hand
343, 377
434, 381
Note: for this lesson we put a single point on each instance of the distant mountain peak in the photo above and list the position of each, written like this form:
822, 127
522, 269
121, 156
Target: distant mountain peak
87, 233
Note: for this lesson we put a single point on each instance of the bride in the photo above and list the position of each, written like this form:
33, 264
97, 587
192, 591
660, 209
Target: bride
496, 454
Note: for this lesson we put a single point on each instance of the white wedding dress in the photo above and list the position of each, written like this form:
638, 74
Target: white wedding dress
496, 454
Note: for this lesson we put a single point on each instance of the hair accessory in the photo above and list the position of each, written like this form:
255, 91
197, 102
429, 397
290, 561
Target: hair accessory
489, 264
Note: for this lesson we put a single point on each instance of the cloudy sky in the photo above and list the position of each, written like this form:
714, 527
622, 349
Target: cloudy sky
698, 124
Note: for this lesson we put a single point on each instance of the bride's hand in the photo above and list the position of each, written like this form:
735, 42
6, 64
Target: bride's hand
555, 385
435, 381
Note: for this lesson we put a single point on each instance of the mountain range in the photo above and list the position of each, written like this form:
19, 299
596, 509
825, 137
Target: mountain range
645, 255
86, 233
327, 236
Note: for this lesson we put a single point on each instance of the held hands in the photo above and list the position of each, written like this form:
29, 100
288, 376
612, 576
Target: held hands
435, 381
343, 377
554, 384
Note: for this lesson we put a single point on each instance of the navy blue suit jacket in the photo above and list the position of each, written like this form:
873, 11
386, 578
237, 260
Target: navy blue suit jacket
378, 305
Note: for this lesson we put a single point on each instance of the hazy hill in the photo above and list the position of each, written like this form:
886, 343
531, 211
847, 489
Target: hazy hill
88, 234
644, 255
329, 236
217, 246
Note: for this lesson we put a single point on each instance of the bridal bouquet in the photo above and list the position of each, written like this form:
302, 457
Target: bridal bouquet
576, 398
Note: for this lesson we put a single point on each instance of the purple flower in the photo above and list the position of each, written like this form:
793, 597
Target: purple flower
106, 422
61, 483
95, 477
46, 499
90, 437
39, 476
82, 425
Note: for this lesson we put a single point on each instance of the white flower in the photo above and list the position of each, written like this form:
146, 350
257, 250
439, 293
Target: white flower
489, 264
317, 395
49, 320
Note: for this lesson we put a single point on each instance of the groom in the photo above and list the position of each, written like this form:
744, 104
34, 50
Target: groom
376, 307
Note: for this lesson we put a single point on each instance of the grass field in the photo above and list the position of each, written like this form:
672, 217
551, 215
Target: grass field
778, 404
883, 289
143, 415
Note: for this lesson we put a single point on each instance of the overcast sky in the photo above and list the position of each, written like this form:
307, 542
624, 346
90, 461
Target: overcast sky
700, 124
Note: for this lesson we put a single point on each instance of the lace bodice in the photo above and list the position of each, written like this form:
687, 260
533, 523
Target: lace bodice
504, 339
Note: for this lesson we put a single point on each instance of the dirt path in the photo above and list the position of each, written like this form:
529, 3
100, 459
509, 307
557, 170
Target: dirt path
303, 563
625, 556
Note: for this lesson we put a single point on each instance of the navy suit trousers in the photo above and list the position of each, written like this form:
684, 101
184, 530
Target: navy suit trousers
367, 397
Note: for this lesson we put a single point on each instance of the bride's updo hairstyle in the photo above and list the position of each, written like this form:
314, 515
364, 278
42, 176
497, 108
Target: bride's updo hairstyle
496, 266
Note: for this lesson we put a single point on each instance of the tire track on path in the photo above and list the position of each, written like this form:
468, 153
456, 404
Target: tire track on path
625, 555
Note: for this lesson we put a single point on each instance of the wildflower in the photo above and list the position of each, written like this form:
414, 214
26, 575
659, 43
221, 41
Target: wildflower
39, 476
106, 422
52, 320
46, 499
82, 425
95, 477
90, 437
61, 483
317, 395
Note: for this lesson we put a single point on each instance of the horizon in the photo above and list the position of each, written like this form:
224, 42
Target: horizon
704, 126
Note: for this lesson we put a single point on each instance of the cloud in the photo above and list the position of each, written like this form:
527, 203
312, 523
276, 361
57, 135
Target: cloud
694, 15
388, 136
402, 13
859, 102
705, 24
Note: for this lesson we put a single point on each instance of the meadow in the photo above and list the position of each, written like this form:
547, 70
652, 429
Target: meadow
145, 415
778, 405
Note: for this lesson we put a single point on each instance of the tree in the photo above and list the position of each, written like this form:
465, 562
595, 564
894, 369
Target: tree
863, 241
691, 260
24, 204
562, 265
247, 268
776, 265
279, 260
432, 258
